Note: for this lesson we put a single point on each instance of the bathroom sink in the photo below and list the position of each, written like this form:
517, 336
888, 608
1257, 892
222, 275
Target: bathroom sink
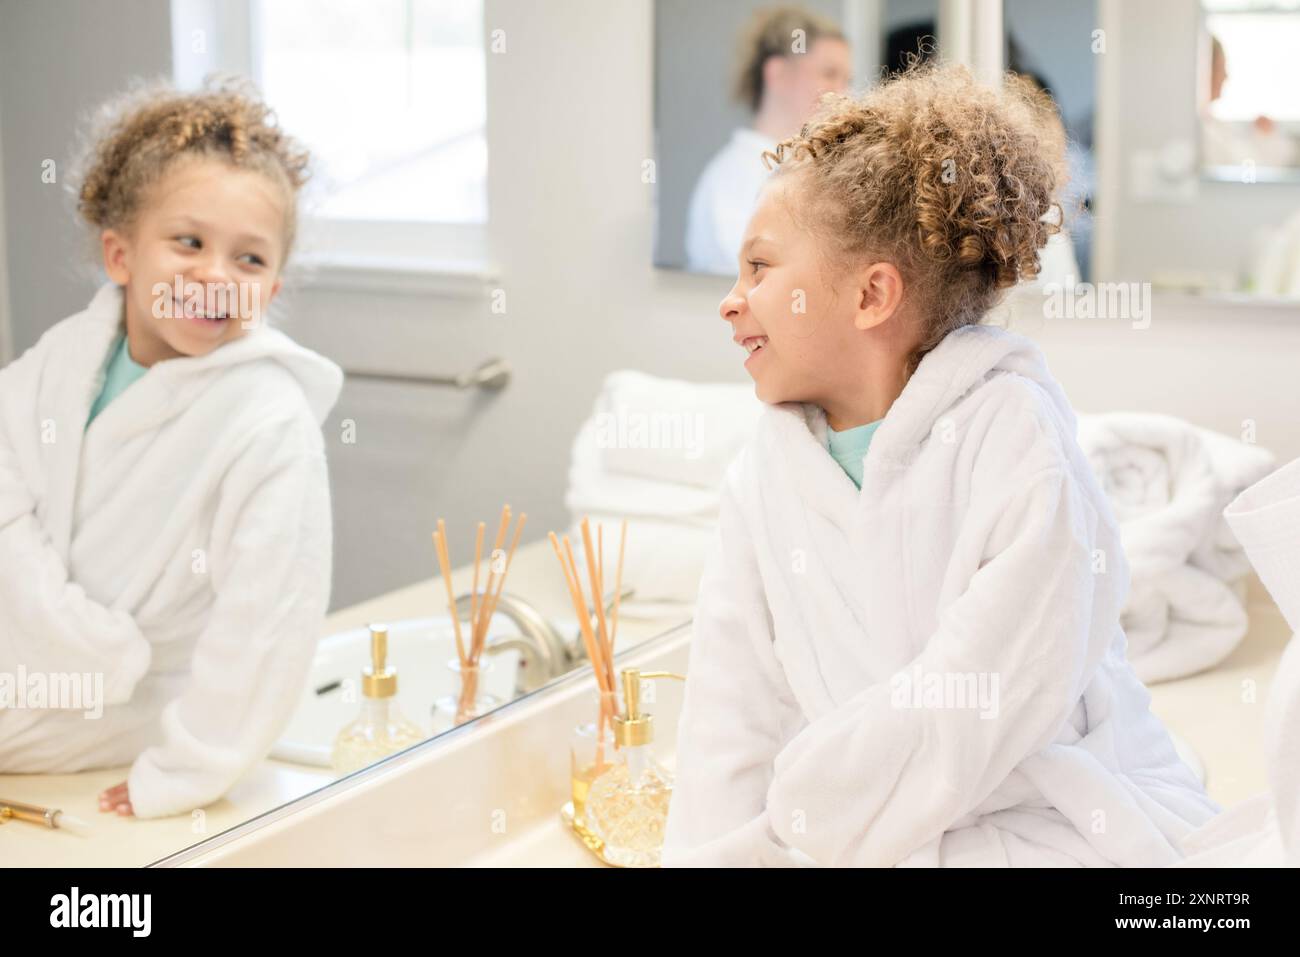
419, 649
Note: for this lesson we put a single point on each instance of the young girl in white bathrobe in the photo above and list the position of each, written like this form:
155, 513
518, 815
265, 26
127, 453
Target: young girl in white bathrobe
164, 504
907, 647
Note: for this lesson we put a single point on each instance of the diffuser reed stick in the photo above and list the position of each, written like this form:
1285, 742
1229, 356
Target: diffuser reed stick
599, 640
482, 606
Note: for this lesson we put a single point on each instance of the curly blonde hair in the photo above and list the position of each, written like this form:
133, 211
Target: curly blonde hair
771, 33
950, 180
137, 137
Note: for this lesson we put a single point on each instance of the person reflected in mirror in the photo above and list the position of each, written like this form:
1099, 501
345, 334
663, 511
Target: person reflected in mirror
788, 58
1056, 261
165, 526
1228, 143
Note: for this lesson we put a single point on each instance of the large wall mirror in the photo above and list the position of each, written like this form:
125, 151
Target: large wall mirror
1182, 125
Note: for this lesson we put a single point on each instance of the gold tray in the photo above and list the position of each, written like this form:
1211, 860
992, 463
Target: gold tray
590, 841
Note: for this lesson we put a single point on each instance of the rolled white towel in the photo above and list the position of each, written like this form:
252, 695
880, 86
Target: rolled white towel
1168, 482
1157, 474
1181, 621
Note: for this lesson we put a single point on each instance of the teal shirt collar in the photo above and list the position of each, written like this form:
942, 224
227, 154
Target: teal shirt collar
849, 448
119, 373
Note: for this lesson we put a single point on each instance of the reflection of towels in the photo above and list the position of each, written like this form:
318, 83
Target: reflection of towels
1168, 482
654, 452
679, 432
1265, 830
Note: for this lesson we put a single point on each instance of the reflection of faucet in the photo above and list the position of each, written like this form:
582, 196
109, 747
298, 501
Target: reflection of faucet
544, 653
576, 648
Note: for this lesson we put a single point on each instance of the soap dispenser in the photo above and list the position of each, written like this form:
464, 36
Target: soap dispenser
380, 729
627, 807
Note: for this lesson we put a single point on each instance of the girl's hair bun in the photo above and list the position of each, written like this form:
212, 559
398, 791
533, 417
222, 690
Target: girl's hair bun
951, 180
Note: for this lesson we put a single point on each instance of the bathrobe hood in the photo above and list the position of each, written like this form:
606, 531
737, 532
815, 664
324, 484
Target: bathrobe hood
965, 359
320, 379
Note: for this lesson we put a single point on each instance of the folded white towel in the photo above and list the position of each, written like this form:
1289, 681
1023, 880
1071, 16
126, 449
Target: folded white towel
681, 432
654, 452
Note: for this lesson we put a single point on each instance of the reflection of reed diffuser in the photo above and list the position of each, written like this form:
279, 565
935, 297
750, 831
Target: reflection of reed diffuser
471, 702
591, 744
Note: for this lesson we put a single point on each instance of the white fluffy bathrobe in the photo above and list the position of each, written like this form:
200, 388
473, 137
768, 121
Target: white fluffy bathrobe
180, 547
979, 548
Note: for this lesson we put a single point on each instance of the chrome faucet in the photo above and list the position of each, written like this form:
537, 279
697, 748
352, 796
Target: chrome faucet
544, 653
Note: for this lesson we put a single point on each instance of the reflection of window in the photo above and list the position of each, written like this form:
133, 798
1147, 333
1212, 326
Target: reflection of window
390, 97
1262, 70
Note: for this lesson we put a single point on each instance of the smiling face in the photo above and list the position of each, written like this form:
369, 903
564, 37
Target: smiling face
221, 230
815, 330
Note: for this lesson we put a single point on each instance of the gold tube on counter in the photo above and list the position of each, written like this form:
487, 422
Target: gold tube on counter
30, 812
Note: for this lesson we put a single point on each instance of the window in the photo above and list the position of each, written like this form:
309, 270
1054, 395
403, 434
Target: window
1259, 43
390, 97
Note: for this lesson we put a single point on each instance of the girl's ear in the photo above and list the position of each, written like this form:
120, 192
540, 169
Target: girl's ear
880, 293
115, 256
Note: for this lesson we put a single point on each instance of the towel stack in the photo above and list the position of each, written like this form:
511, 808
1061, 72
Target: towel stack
655, 452
1168, 482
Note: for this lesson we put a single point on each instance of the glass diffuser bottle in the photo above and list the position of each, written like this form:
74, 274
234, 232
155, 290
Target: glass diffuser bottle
470, 700
591, 752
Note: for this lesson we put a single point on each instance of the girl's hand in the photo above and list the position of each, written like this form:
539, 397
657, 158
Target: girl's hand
117, 799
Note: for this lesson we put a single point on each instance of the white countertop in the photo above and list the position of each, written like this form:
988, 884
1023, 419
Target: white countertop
113, 841
1219, 713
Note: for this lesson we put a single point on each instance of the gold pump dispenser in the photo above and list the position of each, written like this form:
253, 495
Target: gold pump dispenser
377, 681
627, 807
381, 729
632, 728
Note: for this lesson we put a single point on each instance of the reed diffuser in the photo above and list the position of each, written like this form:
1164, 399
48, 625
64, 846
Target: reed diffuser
470, 703
591, 743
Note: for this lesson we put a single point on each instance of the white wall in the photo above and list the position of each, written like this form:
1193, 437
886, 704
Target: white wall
569, 127
58, 60
1153, 46
1210, 362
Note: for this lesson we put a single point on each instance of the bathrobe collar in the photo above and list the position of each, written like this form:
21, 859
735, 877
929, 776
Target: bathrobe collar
165, 390
965, 358
172, 383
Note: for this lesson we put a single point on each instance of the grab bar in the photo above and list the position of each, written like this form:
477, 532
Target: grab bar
492, 375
